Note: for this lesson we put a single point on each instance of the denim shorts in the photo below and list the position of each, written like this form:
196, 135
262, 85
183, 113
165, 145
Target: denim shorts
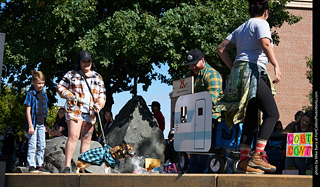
84, 117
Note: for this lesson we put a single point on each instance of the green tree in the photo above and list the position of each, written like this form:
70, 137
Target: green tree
12, 111
127, 38
52, 114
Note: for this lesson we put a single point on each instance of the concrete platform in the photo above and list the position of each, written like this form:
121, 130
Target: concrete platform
154, 180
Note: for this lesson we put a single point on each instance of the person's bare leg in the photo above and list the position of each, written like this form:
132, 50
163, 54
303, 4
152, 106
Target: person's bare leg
86, 135
73, 136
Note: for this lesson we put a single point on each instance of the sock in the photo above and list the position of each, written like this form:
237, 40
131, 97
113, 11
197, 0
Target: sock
244, 152
260, 145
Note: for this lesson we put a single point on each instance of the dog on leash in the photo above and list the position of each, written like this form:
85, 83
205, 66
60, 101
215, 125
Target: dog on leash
106, 154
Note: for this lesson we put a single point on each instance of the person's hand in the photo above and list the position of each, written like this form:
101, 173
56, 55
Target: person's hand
31, 130
96, 110
72, 98
73, 102
67, 95
277, 74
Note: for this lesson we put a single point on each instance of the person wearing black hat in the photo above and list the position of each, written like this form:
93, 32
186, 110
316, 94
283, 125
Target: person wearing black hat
250, 90
155, 107
206, 78
86, 85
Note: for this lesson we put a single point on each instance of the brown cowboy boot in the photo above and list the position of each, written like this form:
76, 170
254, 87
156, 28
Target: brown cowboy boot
259, 160
243, 165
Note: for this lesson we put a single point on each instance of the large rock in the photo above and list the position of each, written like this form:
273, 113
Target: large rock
54, 157
136, 125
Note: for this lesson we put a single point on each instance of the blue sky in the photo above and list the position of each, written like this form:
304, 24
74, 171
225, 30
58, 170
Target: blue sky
156, 92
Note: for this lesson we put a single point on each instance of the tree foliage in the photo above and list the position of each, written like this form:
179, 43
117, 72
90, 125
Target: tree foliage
127, 38
12, 111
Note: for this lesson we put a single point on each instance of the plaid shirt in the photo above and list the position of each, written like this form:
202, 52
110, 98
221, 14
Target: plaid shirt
242, 86
32, 101
209, 79
72, 83
99, 155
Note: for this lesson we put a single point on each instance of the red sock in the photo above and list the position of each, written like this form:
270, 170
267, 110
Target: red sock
261, 144
244, 152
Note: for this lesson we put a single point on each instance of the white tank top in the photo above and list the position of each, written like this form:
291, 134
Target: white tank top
87, 95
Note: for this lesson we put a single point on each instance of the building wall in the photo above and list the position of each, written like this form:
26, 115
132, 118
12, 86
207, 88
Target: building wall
295, 45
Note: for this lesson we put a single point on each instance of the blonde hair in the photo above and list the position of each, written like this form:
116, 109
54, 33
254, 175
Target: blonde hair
37, 75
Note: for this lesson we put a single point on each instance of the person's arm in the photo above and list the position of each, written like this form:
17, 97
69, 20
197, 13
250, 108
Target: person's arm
288, 128
63, 85
268, 50
57, 132
101, 100
223, 51
28, 115
213, 83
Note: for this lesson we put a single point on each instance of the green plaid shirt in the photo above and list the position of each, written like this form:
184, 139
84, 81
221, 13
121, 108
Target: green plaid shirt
209, 79
242, 86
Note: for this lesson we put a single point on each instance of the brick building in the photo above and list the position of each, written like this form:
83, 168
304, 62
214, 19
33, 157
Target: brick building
295, 45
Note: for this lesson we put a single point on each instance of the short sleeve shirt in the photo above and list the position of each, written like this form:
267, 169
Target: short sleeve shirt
32, 101
247, 36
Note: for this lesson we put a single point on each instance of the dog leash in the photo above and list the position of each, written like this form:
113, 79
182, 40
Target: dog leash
74, 108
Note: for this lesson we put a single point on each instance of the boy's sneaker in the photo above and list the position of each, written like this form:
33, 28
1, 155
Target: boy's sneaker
42, 170
33, 170
259, 160
243, 167
66, 170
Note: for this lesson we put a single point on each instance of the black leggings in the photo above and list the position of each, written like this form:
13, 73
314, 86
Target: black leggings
265, 102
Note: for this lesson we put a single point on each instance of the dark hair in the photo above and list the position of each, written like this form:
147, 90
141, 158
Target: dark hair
275, 129
104, 119
59, 120
310, 126
299, 113
258, 7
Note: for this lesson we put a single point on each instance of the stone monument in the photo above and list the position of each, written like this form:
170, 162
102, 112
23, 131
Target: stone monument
136, 125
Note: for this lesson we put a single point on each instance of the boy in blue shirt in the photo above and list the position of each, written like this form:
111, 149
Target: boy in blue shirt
36, 113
